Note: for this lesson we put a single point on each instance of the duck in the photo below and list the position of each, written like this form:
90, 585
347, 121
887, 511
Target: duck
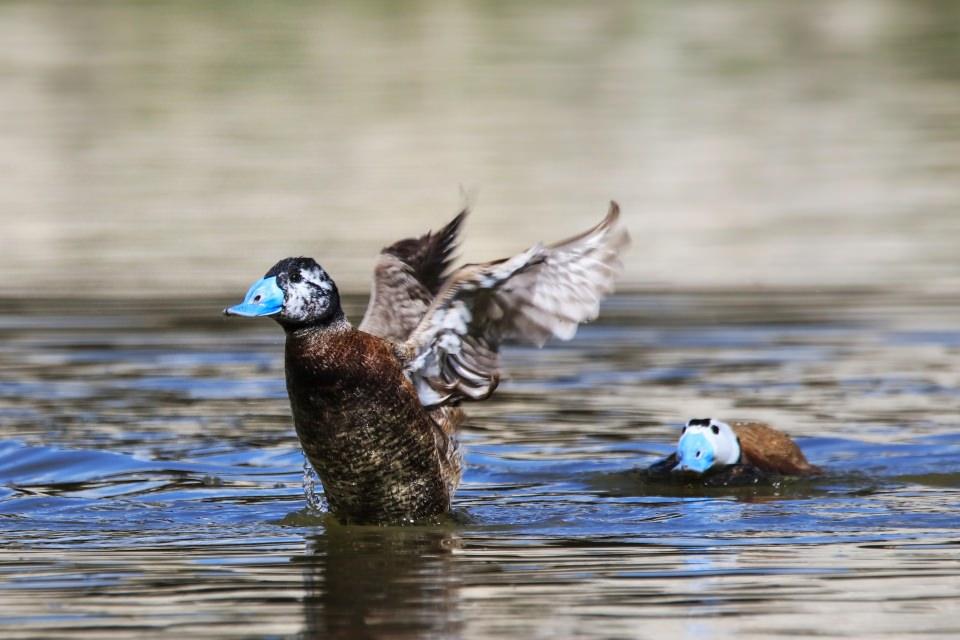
738, 452
377, 407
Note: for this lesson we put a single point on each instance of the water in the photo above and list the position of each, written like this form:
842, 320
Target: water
788, 171
152, 485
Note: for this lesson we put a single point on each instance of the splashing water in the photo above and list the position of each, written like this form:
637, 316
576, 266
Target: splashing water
315, 501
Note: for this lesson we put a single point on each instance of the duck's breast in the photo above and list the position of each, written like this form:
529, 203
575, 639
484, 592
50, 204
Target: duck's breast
378, 452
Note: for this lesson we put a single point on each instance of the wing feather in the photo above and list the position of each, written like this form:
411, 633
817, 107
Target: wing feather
406, 278
541, 293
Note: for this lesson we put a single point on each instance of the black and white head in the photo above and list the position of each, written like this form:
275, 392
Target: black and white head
707, 444
296, 292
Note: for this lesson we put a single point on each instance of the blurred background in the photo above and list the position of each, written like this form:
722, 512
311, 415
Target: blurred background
180, 148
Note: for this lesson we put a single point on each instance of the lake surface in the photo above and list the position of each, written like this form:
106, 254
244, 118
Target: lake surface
151, 484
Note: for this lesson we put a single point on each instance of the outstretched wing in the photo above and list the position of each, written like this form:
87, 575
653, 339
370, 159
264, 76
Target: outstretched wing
407, 277
544, 292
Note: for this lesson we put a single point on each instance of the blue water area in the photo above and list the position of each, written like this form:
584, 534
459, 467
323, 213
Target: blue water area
151, 482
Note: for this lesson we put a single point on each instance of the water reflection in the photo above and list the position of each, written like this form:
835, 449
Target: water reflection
635, 482
367, 582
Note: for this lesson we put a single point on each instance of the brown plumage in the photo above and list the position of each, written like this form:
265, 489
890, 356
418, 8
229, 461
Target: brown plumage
406, 277
541, 293
770, 450
380, 456
739, 453
375, 408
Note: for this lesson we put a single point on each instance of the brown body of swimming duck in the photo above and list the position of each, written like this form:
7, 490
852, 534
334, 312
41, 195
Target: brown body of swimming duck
740, 450
376, 407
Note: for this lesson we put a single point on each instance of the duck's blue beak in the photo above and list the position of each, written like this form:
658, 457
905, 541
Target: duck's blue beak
264, 298
695, 454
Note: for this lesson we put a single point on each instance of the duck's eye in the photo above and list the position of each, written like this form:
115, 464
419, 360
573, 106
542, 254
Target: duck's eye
699, 453
257, 297
715, 429
295, 277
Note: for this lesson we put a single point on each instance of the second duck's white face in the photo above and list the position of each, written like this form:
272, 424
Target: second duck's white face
707, 444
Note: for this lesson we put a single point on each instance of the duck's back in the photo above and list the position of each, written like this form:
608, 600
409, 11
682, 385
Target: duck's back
380, 455
771, 450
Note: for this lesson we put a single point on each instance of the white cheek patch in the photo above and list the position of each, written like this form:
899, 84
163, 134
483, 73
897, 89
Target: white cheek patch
309, 297
726, 445
319, 278
297, 299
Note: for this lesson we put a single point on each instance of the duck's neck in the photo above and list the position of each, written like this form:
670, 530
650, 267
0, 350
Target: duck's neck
335, 322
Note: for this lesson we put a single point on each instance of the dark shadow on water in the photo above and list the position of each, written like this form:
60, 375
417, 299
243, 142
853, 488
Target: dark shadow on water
638, 482
366, 582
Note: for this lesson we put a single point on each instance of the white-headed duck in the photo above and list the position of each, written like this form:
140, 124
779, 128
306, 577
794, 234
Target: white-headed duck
734, 452
376, 407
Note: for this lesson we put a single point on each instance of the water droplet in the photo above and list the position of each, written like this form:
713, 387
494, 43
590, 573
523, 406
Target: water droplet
315, 500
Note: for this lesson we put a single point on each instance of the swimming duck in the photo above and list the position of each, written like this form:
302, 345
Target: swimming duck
733, 453
376, 407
